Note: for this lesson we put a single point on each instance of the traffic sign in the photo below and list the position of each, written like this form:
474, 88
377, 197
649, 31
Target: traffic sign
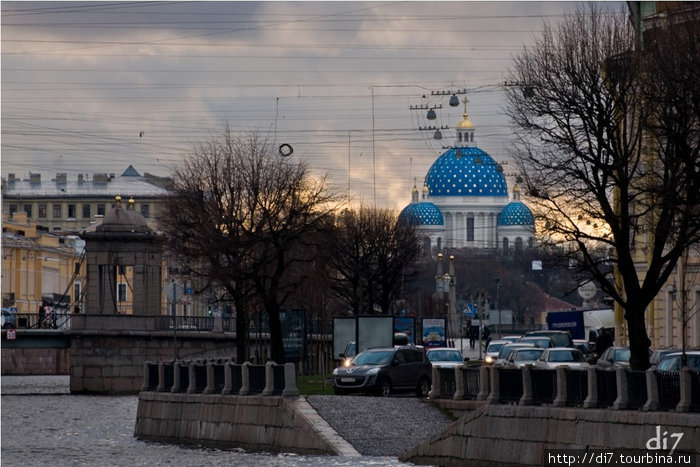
11, 334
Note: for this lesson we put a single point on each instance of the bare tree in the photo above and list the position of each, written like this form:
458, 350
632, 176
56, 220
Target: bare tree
243, 218
585, 109
371, 254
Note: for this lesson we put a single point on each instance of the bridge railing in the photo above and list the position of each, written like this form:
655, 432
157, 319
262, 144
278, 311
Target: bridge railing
619, 389
220, 376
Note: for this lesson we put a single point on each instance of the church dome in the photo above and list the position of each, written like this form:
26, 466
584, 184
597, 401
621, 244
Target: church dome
423, 213
466, 171
516, 213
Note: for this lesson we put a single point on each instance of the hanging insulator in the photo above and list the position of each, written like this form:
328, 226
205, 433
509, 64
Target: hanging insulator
431, 114
454, 101
437, 135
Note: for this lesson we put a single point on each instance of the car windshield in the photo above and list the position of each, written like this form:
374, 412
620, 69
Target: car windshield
528, 355
507, 348
565, 356
622, 355
539, 342
444, 356
381, 357
494, 347
673, 363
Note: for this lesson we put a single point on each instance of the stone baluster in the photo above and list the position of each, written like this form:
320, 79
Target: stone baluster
459, 383
290, 381
209, 389
591, 401
686, 382
435, 389
483, 383
652, 402
245, 379
269, 378
622, 400
560, 399
495, 394
528, 396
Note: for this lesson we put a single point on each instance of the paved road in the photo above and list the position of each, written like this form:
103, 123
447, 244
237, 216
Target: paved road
380, 426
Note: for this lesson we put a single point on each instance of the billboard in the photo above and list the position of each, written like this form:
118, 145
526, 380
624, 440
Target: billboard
434, 332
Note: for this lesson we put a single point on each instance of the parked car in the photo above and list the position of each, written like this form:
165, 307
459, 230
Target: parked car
517, 358
614, 357
445, 357
560, 338
349, 353
672, 361
561, 356
503, 353
543, 342
385, 370
492, 350
658, 354
9, 319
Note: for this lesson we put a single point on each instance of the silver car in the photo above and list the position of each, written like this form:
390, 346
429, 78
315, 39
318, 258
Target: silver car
518, 358
561, 356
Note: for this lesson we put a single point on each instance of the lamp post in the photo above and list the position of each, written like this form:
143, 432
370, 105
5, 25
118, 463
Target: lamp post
498, 308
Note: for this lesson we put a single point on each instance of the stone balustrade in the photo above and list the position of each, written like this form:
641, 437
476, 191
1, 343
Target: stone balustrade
220, 376
620, 389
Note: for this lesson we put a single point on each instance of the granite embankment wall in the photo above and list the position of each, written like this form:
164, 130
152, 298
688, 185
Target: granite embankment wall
27, 361
510, 435
259, 423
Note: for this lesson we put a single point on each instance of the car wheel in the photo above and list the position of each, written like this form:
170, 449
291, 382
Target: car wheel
384, 387
423, 388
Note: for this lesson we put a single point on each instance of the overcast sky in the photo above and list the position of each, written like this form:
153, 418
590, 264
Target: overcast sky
95, 86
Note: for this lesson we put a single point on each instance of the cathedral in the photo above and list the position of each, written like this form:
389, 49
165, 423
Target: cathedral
465, 201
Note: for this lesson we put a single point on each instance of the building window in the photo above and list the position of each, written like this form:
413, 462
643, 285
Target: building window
145, 210
518, 244
100, 209
121, 292
505, 244
71, 211
28, 210
470, 229
42, 210
57, 211
76, 293
86, 211
13, 209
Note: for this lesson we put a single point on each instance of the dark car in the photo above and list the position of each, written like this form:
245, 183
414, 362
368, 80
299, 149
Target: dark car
559, 338
672, 361
385, 370
614, 357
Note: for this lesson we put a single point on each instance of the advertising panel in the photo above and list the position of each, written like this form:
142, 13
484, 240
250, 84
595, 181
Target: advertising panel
434, 332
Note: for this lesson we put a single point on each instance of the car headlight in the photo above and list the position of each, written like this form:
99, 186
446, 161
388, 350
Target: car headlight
489, 359
336, 371
373, 371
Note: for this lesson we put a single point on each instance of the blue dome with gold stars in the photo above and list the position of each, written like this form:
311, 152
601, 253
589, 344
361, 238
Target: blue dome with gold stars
516, 213
466, 171
423, 213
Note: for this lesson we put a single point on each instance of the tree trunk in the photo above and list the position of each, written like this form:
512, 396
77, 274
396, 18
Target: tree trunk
639, 341
241, 332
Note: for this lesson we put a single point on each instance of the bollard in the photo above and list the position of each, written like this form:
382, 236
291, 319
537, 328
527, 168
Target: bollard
146, 378
161, 377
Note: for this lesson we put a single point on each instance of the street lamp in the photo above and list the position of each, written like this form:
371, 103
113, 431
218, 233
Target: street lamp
498, 308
